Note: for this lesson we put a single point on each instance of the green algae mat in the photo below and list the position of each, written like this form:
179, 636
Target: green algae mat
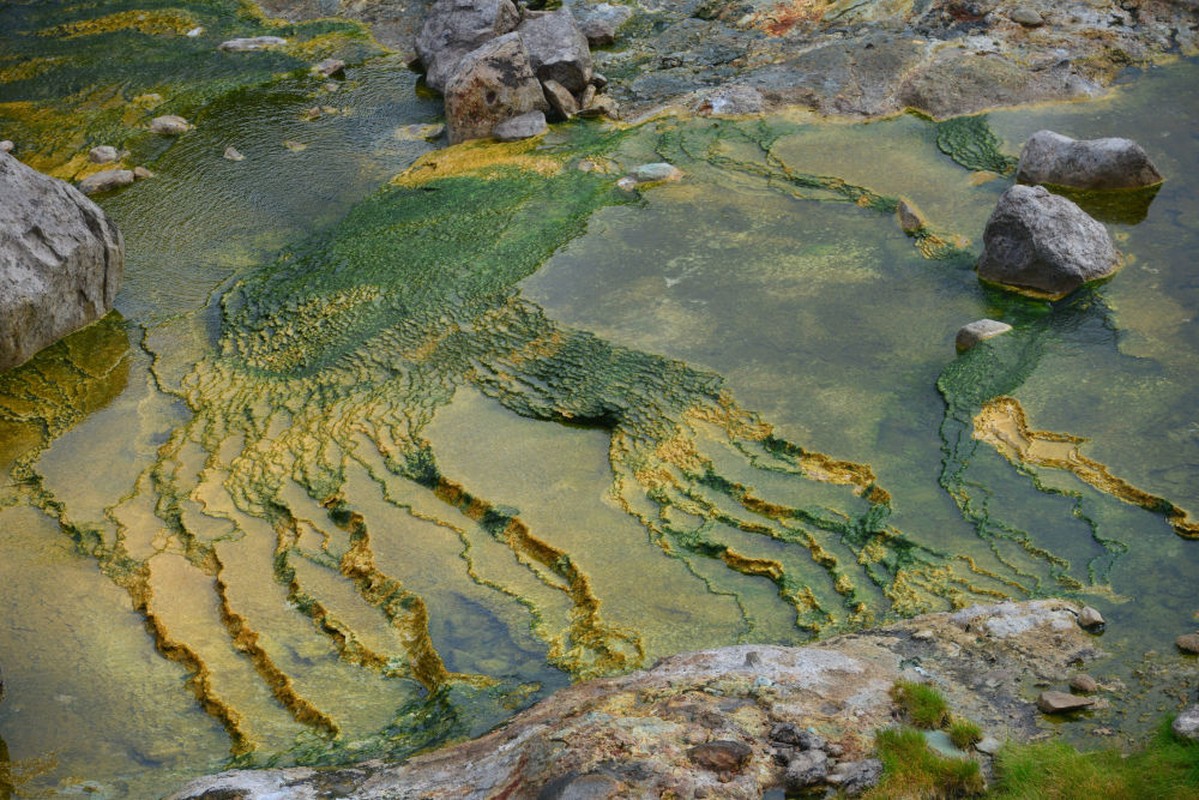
386, 443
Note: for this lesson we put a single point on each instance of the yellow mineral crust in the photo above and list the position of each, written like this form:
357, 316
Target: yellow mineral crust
1003, 424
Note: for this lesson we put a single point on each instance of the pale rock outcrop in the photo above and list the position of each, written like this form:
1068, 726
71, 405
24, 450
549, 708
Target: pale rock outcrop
1110, 163
1039, 242
61, 261
453, 28
490, 85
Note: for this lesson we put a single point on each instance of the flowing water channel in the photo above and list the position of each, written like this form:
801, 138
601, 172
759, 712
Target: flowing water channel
367, 463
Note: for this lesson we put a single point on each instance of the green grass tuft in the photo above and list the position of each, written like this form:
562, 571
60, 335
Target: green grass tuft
911, 771
923, 705
964, 733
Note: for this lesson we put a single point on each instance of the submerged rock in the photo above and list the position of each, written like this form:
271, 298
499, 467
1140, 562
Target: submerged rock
61, 261
106, 181
103, 154
492, 84
1044, 244
657, 171
233, 154
979, 331
170, 125
454, 28
1111, 163
1062, 702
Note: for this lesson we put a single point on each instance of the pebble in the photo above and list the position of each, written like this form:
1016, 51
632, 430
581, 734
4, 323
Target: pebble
330, 67
1028, 17
911, 218
1084, 683
924, 635
232, 154
141, 173
979, 331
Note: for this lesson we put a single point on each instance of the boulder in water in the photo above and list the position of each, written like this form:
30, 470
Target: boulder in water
170, 125
61, 261
1044, 244
491, 84
454, 28
1111, 163
978, 331
106, 181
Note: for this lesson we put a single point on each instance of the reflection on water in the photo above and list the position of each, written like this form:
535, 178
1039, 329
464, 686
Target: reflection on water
490, 429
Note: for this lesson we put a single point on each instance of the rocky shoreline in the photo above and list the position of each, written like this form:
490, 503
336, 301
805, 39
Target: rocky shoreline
733, 722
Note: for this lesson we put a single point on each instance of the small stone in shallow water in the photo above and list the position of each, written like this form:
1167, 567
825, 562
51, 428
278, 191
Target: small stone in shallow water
294, 146
170, 125
329, 67
1188, 643
978, 331
658, 171
106, 181
1090, 618
1084, 683
103, 154
141, 173
911, 218
1061, 702
233, 154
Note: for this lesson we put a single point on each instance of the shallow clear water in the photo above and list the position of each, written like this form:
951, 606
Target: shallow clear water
499, 427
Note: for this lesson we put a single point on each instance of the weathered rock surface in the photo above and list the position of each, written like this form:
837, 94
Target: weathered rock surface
557, 49
979, 331
490, 85
805, 769
855, 777
454, 28
560, 99
600, 22
639, 730
1188, 643
1039, 242
1084, 684
1090, 618
61, 261
103, 154
1110, 163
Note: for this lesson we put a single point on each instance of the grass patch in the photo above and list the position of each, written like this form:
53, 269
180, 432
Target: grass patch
1166, 769
923, 705
964, 733
911, 771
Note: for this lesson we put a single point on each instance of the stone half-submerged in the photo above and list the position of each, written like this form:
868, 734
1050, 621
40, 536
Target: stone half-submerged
1042, 244
61, 261
1110, 163
735, 722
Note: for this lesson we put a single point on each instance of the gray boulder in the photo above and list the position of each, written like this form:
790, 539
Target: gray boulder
454, 28
1110, 163
492, 84
558, 50
855, 777
1038, 242
600, 22
806, 769
61, 261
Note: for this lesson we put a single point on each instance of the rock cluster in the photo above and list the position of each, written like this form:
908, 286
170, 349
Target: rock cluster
61, 261
504, 71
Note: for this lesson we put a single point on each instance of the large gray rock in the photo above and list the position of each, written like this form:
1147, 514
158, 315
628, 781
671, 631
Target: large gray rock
600, 22
1110, 163
806, 769
61, 261
492, 84
454, 28
1038, 241
558, 50
1186, 724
